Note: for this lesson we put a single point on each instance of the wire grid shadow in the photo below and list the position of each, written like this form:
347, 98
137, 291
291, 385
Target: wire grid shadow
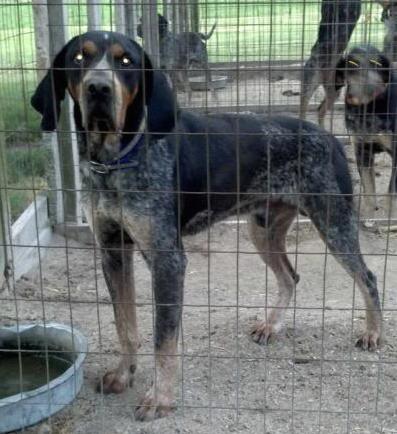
234, 60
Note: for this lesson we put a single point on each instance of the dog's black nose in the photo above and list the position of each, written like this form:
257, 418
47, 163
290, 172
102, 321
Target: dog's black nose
98, 89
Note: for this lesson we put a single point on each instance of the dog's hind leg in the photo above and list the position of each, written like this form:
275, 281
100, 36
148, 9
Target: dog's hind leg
311, 80
331, 95
334, 218
268, 229
393, 183
118, 271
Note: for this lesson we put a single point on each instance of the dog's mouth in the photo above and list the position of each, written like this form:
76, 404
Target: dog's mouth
104, 136
101, 125
353, 100
366, 96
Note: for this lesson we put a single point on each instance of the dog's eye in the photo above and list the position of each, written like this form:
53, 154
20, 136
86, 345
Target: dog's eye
375, 62
79, 57
125, 61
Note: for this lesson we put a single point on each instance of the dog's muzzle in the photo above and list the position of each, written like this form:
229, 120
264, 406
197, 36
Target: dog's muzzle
99, 102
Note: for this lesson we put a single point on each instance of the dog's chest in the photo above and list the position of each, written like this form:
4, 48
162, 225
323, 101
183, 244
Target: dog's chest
128, 209
371, 128
384, 140
131, 199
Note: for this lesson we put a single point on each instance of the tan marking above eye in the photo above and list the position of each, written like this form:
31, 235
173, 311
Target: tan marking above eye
352, 62
116, 50
90, 48
375, 62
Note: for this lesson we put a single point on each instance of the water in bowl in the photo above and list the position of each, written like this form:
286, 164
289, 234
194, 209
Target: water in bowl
25, 371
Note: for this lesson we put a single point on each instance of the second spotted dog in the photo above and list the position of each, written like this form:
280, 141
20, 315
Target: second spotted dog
370, 114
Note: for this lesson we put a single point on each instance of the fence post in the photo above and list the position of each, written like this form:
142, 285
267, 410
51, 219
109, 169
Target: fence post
130, 18
119, 17
150, 31
167, 12
194, 16
93, 15
64, 156
5, 224
40, 18
183, 12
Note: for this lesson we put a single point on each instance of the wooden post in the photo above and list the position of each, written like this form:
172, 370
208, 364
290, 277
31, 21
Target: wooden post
150, 31
167, 10
119, 17
194, 16
93, 15
175, 28
5, 223
130, 18
63, 155
40, 19
183, 12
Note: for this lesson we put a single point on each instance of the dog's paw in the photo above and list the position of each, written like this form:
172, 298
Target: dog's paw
153, 406
369, 341
369, 224
263, 333
116, 381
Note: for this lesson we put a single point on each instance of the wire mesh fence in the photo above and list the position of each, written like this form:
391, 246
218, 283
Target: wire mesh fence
176, 142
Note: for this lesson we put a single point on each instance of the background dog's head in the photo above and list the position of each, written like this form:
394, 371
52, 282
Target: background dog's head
163, 27
366, 73
111, 80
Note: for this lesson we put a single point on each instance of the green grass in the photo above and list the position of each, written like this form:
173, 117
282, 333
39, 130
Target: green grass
260, 29
25, 163
27, 172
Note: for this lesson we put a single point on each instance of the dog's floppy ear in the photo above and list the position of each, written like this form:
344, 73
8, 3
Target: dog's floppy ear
385, 62
159, 100
51, 92
340, 73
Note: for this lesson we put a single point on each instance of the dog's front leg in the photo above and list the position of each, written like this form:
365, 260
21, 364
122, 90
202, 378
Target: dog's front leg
168, 269
393, 181
118, 271
365, 165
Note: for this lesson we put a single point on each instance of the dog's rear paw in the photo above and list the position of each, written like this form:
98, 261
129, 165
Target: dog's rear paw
153, 407
369, 224
115, 382
369, 341
263, 333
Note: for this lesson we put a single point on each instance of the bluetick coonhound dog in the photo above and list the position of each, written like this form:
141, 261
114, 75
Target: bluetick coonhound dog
152, 173
370, 115
181, 52
338, 20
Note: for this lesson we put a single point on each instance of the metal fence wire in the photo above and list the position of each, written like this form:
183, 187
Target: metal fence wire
181, 139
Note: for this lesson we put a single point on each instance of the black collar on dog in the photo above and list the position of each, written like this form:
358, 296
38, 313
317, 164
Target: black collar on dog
125, 158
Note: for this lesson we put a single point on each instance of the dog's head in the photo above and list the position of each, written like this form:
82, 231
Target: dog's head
365, 72
163, 27
111, 81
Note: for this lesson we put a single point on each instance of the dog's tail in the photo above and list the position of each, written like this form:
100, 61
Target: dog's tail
206, 36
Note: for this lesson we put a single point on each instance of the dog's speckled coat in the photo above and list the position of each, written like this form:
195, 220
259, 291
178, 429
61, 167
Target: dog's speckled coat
187, 172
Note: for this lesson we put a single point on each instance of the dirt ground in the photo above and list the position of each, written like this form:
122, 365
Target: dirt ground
310, 380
